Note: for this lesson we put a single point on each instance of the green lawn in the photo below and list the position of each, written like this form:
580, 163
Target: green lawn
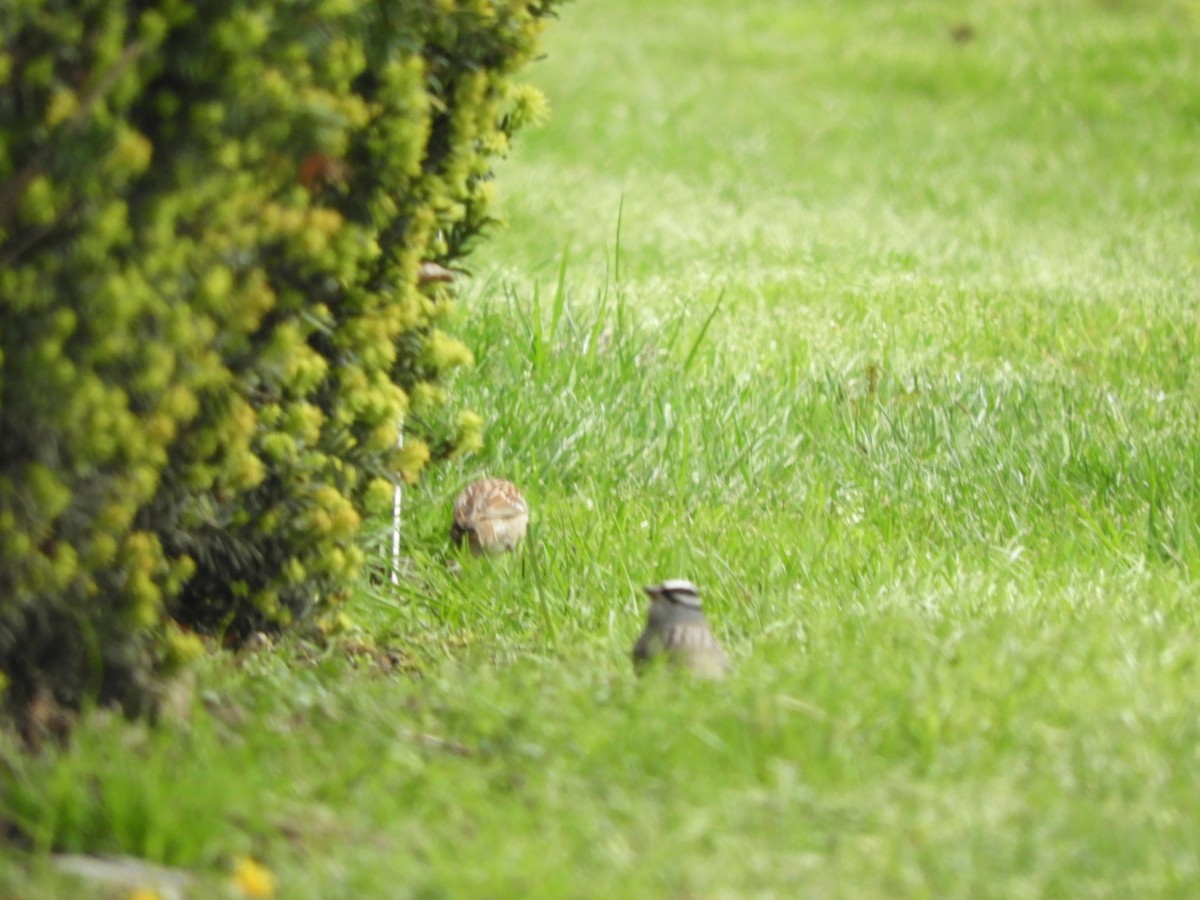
933, 462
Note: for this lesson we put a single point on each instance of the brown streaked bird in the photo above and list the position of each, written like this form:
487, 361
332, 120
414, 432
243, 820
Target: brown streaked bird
677, 631
491, 514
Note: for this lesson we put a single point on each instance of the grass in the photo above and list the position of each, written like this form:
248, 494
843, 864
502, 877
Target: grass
895, 356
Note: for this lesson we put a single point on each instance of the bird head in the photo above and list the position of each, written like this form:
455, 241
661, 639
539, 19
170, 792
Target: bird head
676, 592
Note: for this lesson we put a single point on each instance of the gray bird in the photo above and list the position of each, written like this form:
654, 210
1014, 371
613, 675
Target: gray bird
491, 515
677, 631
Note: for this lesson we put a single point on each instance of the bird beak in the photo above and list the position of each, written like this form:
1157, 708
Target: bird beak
654, 590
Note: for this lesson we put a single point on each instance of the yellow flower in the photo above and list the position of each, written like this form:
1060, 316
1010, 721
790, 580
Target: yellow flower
470, 432
63, 104
144, 894
444, 352
411, 459
252, 878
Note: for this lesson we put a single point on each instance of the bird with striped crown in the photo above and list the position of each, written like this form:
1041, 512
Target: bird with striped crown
677, 632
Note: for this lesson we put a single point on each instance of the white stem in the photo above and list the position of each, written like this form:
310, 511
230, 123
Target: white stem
396, 502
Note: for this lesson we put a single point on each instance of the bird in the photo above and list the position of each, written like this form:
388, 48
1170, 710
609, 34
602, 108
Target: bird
677, 631
491, 514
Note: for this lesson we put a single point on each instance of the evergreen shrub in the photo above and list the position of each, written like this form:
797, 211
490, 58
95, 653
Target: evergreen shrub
213, 216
